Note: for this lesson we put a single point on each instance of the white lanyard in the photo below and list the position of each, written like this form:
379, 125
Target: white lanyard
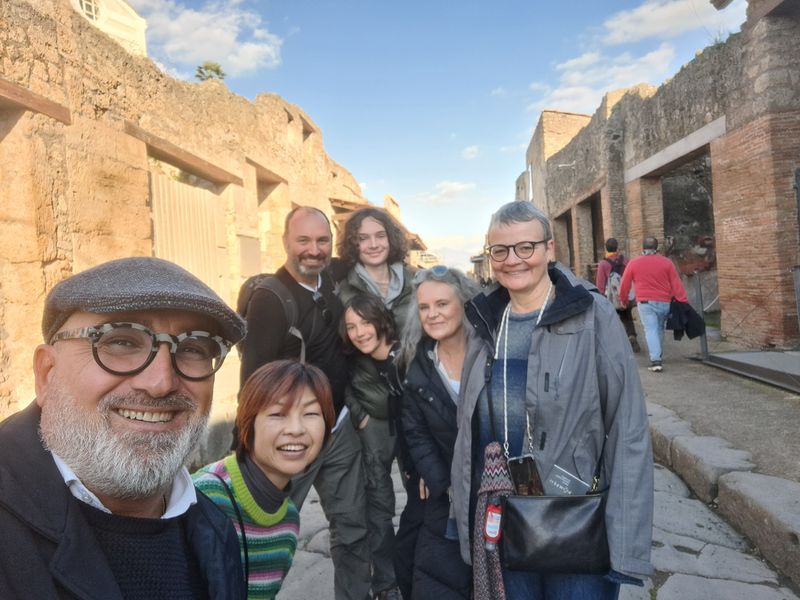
503, 333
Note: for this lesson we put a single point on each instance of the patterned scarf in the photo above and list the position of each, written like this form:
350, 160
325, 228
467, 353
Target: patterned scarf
487, 574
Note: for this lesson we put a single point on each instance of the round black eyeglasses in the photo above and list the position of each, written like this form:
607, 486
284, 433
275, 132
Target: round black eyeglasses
128, 348
523, 250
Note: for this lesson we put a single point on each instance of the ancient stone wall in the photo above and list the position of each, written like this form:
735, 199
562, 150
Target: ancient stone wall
737, 106
685, 103
84, 126
553, 131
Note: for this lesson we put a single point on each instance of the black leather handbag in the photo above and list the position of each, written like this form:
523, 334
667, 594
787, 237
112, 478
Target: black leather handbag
555, 534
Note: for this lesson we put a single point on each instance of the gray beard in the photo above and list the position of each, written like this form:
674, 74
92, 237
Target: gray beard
125, 465
305, 271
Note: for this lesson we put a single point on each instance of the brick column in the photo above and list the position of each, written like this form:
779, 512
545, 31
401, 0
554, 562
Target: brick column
645, 212
756, 223
582, 234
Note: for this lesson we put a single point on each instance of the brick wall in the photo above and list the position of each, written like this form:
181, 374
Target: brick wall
755, 214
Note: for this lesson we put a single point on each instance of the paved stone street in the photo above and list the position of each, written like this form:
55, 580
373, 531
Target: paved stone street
696, 553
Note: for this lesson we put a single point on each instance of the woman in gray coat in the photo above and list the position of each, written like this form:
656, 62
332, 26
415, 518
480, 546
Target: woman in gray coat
561, 373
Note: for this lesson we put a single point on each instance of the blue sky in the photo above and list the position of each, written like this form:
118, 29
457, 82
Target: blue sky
434, 102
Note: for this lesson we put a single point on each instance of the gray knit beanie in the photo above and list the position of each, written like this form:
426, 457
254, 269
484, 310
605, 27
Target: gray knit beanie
137, 284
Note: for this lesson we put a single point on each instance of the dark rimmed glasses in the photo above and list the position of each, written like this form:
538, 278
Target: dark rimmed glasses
128, 348
435, 272
523, 250
319, 300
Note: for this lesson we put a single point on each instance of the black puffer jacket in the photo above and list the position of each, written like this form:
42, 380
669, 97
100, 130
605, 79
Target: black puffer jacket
429, 425
429, 420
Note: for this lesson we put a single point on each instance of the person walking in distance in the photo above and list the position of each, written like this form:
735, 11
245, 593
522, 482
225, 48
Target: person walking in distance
608, 280
337, 474
656, 282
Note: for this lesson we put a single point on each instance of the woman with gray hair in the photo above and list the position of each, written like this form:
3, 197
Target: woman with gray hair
433, 346
550, 375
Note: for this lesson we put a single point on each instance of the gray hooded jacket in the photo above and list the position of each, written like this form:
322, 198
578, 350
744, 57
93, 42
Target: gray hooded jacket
582, 383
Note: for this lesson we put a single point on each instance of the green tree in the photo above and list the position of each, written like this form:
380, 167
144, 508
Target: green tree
209, 70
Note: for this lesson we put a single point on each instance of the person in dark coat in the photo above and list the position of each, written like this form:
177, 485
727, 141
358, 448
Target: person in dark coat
95, 502
433, 347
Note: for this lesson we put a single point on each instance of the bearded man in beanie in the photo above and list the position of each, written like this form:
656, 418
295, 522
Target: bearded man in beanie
95, 500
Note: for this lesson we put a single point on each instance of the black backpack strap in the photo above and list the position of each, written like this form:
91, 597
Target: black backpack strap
277, 287
235, 504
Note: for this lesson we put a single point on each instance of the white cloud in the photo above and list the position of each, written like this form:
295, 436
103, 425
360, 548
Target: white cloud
363, 186
470, 152
220, 31
514, 148
455, 250
499, 91
580, 62
445, 192
584, 81
666, 19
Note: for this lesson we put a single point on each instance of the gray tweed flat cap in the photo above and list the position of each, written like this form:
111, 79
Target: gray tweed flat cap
133, 284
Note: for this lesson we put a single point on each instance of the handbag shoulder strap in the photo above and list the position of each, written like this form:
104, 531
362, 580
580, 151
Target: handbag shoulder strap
241, 525
488, 384
487, 375
599, 467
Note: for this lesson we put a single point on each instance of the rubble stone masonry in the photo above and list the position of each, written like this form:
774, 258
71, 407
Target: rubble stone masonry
85, 131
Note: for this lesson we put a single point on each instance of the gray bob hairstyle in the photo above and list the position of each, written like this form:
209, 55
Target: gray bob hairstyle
521, 211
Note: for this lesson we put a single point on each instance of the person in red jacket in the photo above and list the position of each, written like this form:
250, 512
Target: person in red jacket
656, 282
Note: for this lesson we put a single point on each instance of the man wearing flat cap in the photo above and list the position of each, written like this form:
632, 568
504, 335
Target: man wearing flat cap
95, 500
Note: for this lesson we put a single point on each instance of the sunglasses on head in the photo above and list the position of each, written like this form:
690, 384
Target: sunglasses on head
435, 272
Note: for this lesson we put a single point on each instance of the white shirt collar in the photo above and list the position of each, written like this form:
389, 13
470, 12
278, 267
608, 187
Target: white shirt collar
312, 289
181, 497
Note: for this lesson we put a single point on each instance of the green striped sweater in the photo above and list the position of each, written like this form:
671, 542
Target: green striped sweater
271, 537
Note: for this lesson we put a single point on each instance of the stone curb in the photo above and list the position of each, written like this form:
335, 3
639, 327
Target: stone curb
765, 509
701, 461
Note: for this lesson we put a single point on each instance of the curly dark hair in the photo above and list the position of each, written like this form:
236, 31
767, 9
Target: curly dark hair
348, 242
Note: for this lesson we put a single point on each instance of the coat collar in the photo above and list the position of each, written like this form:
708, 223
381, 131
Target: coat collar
572, 297
32, 488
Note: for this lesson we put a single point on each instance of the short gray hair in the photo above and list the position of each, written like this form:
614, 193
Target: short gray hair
465, 289
521, 211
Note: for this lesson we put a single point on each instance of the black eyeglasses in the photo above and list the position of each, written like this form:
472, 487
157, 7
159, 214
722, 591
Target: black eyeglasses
435, 272
322, 305
128, 348
523, 250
